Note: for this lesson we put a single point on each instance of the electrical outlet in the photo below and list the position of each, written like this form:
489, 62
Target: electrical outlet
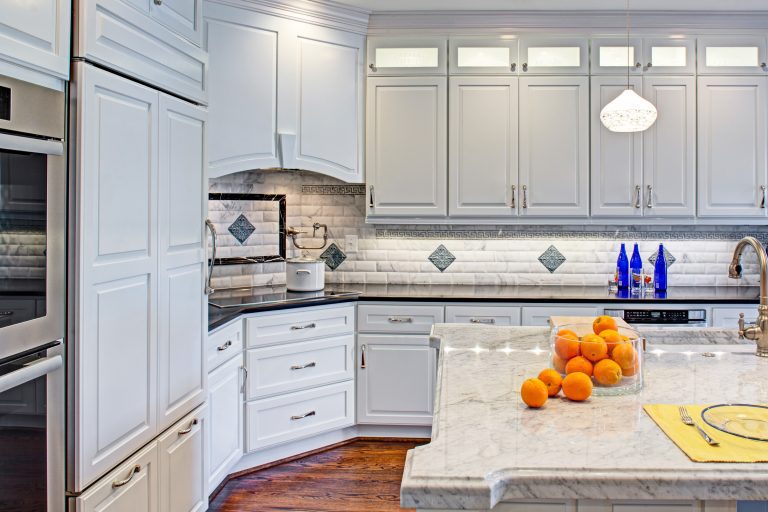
350, 244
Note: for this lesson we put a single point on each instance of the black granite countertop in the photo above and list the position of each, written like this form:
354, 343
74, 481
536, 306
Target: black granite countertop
233, 303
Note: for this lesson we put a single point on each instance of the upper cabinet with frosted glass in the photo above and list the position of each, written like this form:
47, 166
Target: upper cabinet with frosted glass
663, 55
388, 56
613, 55
553, 56
484, 56
732, 55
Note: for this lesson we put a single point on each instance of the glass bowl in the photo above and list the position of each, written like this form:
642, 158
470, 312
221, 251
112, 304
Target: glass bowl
571, 341
742, 420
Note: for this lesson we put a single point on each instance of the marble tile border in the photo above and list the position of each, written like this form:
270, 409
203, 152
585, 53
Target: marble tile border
334, 190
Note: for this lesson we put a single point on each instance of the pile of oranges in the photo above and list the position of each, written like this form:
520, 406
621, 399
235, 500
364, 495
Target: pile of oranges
605, 356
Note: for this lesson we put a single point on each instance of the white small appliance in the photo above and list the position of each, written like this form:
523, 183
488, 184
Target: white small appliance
304, 274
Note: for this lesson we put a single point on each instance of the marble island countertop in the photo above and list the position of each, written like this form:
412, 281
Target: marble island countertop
487, 446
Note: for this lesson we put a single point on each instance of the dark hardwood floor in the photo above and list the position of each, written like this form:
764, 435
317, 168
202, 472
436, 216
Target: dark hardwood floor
360, 476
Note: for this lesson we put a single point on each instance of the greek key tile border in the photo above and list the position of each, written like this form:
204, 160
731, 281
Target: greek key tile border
334, 190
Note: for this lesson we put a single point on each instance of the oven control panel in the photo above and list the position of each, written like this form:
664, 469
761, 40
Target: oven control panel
664, 316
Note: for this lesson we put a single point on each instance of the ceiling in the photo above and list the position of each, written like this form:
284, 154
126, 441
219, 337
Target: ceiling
559, 5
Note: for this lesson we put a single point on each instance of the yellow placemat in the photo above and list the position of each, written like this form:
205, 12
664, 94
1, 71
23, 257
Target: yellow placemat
731, 449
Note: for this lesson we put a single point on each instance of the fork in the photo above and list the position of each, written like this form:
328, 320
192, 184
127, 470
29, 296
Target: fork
686, 418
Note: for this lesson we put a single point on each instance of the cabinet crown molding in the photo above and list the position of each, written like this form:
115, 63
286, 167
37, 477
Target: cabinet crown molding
326, 13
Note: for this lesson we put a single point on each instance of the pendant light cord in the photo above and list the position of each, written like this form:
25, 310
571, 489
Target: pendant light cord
626, 10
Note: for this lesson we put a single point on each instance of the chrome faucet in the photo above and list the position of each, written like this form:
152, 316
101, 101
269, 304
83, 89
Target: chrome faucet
759, 330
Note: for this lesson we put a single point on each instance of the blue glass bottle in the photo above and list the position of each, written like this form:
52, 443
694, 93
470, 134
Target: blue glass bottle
660, 271
622, 269
635, 267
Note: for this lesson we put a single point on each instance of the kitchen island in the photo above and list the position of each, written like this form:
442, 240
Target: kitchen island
489, 451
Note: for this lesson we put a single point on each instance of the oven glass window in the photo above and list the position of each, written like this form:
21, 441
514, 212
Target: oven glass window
23, 196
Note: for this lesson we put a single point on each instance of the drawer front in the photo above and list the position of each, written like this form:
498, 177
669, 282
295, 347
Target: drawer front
304, 413
482, 315
728, 318
539, 315
224, 344
295, 366
299, 325
385, 318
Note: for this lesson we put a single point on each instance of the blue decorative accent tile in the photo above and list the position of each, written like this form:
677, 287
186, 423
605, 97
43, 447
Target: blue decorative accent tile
552, 258
241, 229
333, 256
667, 256
442, 258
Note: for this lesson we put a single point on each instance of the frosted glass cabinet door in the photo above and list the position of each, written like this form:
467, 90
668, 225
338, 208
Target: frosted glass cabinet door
612, 56
476, 56
553, 56
406, 146
728, 55
669, 56
388, 56
732, 159
482, 146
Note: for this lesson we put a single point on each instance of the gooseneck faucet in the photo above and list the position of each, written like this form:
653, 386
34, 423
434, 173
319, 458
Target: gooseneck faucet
759, 330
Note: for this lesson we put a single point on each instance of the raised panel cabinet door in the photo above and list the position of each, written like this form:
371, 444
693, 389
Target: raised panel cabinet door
185, 17
616, 170
483, 56
328, 104
242, 90
482, 146
731, 146
225, 424
547, 55
182, 308
182, 471
554, 146
613, 55
115, 310
739, 55
396, 379
669, 55
398, 56
34, 35
669, 147
406, 146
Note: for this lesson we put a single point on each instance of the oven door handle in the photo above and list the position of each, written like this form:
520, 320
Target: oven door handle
31, 144
30, 372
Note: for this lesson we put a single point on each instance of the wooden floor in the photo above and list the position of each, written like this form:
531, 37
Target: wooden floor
361, 476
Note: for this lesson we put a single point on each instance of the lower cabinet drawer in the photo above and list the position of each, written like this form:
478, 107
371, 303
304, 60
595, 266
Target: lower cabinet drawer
295, 366
386, 318
224, 344
299, 324
482, 315
279, 419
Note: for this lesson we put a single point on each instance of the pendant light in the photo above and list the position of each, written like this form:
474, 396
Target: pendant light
628, 112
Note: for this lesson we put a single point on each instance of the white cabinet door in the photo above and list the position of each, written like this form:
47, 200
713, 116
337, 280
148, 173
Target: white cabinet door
612, 55
242, 90
482, 146
395, 379
182, 306
321, 102
34, 35
669, 148
547, 55
554, 146
225, 423
539, 315
669, 56
400, 56
406, 146
483, 56
182, 466
184, 17
617, 174
115, 324
731, 146
740, 55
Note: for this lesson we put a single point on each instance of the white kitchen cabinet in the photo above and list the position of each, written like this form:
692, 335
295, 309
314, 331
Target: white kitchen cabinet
399, 317
398, 56
34, 37
546, 55
539, 315
740, 55
141, 38
483, 56
299, 324
395, 379
482, 315
728, 317
225, 420
406, 146
554, 146
224, 343
482, 146
669, 55
732, 175
182, 472
182, 306
613, 55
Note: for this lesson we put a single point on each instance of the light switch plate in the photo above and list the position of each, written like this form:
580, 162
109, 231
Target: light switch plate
350, 244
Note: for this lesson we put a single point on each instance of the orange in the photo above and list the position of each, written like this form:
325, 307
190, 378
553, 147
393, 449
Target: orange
552, 379
624, 354
577, 386
594, 348
579, 364
631, 371
534, 393
567, 344
558, 363
611, 337
602, 323
607, 372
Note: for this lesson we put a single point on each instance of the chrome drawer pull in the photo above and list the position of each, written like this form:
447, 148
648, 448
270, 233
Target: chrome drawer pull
303, 271
650, 197
119, 483
525, 194
302, 366
514, 191
637, 198
189, 428
762, 190
482, 320
362, 357
305, 415
300, 327
245, 378
225, 346
370, 201
400, 319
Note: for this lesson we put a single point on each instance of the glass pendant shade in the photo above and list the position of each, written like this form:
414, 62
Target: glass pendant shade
629, 112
